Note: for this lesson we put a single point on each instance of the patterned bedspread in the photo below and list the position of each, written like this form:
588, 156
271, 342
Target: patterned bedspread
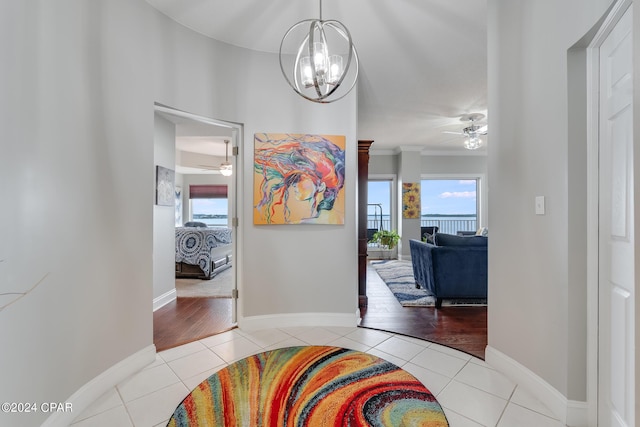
194, 244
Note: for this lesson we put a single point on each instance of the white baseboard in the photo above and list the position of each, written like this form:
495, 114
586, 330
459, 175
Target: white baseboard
404, 257
91, 391
164, 299
577, 413
572, 413
288, 320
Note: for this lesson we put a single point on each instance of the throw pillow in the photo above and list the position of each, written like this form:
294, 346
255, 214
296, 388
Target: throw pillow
428, 238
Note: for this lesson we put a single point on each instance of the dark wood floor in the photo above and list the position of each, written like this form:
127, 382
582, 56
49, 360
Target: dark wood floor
463, 328
190, 319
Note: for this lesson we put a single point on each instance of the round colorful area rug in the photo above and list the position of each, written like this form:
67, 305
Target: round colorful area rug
314, 386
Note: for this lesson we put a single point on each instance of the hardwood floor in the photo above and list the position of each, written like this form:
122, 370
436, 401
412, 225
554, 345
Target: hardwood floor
463, 328
190, 319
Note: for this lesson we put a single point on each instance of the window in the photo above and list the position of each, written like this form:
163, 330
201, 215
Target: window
379, 206
209, 204
449, 204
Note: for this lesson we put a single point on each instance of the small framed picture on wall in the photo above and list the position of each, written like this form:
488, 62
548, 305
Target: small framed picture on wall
165, 195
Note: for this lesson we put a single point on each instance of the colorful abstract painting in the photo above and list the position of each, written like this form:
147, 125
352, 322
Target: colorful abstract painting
411, 200
298, 179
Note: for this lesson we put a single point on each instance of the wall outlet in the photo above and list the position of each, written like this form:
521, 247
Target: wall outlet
540, 205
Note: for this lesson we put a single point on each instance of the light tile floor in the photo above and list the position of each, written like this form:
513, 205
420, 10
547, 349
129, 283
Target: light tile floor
471, 393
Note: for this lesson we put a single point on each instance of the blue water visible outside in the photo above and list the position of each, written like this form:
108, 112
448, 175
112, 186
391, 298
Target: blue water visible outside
210, 211
462, 217
449, 224
217, 220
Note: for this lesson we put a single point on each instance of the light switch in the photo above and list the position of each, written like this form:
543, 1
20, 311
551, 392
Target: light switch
540, 205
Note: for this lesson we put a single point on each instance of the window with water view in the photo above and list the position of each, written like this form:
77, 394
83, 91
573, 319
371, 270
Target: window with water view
210, 211
209, 204
379, 206
449, 204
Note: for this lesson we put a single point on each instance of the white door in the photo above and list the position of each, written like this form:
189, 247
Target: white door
616, 232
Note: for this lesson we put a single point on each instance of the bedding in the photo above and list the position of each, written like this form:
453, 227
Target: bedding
195, 246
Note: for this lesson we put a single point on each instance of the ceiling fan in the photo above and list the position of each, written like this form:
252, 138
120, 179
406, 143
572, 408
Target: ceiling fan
225, 167
473, 131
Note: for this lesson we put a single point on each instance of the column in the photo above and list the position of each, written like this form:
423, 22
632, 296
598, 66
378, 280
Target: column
409, 171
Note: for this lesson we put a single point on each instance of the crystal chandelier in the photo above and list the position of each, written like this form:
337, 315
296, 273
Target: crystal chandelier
325, 55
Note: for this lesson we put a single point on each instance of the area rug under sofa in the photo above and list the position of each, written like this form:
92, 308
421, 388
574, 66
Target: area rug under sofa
398, 276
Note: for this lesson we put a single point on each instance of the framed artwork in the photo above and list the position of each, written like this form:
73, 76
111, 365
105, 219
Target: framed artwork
298, 179
411, 200
178, 195
164, 186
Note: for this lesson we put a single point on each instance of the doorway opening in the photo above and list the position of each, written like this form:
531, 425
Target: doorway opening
196, 290
459, 212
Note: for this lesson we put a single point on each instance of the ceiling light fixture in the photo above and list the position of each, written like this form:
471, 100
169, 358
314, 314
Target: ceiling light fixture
323, 60
473, 142
473, 132
226, 168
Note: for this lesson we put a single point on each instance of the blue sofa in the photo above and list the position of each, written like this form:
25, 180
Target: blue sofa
452, 267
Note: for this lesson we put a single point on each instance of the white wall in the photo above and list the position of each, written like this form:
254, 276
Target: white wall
180, 183
296, 268
383, 164
532, 276
79, 82
164, 236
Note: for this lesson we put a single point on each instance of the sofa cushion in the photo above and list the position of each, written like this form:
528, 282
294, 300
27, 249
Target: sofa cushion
442, 239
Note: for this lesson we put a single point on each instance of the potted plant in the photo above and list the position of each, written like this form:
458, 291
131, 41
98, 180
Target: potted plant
388, 238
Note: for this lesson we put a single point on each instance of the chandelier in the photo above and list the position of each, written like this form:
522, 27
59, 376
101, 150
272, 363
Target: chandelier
325, 68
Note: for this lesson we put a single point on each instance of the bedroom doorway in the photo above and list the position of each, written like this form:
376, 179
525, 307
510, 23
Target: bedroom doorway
197, 296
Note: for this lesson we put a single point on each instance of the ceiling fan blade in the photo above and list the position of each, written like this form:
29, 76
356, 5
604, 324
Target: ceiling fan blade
483, 130
211, 168
453, 133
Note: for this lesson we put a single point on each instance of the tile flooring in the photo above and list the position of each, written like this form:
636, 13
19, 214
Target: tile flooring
471, 393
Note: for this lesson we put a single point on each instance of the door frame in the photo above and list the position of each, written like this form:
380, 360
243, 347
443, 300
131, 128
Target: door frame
593, 112
237, 137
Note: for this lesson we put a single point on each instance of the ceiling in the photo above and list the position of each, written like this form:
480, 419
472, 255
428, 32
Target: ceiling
423, 63
199, 146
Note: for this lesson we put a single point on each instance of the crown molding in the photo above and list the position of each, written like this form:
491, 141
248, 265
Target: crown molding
408, 148
466, 153
423, 152
383, 152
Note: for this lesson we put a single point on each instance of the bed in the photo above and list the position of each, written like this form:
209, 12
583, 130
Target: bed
202, 252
